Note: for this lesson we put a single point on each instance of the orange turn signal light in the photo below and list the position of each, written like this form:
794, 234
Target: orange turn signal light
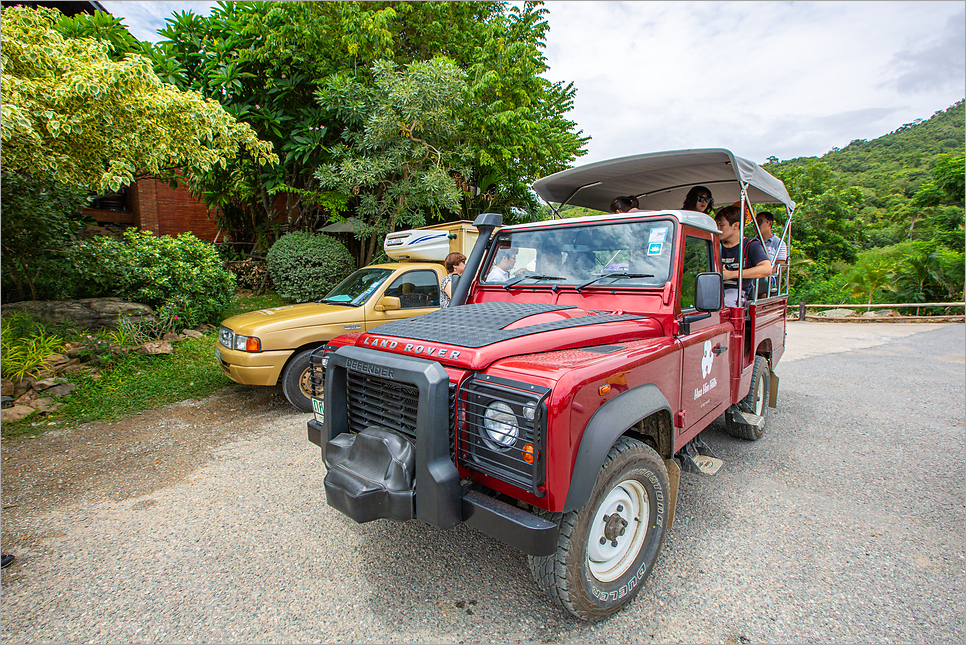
253, 345
529, 454
604, 389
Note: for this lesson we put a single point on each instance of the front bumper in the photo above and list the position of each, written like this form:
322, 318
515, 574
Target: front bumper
373, 472
252, 368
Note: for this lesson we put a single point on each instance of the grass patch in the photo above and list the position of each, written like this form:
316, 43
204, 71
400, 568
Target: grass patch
134, 384
137, 382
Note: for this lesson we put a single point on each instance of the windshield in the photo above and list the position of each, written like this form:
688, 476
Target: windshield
630, 254
357, 288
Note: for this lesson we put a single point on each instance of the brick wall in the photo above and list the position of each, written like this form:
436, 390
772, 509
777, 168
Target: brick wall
170, 212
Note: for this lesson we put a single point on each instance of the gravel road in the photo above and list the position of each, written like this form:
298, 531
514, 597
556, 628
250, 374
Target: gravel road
206, 522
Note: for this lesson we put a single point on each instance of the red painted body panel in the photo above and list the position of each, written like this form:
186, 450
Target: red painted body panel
698, 387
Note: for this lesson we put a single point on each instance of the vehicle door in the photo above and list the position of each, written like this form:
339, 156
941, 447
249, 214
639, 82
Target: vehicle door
705, 386
417, 292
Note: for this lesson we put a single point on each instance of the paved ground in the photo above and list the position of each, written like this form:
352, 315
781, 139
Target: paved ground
206, 522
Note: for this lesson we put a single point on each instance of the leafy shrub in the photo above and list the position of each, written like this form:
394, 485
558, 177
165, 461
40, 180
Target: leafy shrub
25, 345
305, 266
182, 274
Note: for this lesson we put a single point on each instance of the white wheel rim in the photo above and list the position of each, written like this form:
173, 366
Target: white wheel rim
760, 395
621, 522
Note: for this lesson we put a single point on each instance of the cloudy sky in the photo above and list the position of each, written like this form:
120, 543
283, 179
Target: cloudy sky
787, 79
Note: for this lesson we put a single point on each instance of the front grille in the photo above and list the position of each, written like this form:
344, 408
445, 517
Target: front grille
377, 401
522, 462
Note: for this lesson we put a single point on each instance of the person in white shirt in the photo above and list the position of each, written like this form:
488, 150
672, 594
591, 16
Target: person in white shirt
505, 259
776, 249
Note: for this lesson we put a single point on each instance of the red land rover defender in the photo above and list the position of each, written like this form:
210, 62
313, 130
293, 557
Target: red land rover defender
555, 403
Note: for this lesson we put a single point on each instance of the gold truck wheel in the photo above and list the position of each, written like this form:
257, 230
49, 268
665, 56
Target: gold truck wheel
295, 380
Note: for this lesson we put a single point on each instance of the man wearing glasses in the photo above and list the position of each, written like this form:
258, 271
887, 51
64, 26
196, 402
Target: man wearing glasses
505, 259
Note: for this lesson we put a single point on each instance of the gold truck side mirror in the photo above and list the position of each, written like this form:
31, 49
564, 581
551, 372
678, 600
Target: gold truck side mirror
388, 303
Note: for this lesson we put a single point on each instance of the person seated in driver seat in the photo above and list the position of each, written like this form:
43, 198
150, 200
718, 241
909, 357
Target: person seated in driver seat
506, 257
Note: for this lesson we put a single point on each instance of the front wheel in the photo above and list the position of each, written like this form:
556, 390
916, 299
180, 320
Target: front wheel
296, 385
607, 548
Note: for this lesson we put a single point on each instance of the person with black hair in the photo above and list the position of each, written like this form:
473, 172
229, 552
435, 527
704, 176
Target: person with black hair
756, 264
624, 204
699, 199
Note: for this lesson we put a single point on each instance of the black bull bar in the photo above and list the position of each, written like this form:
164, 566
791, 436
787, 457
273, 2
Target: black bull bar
377, 472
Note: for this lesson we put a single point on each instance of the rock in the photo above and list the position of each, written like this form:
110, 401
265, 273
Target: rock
74, 350
7, 388
63, 368
56, 360
155, 347
838, 313
23, 386
191, 333
61, 390
76, 369
87, 313
171, 337
16, 413
45, 404
45, 384
882, 313
27, 398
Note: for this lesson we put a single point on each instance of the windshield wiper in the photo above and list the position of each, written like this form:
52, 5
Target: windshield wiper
344, 303
531, 277
614, 275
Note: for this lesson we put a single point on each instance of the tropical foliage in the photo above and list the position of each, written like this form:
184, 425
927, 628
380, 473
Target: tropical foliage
73, 114
307, 77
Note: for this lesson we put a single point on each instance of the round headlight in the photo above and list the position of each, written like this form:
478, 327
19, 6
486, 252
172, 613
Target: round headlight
501, 426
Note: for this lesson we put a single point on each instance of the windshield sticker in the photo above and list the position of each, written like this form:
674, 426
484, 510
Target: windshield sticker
657, 235
654, 248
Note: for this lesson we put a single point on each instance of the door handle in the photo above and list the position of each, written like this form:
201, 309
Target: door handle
719, 349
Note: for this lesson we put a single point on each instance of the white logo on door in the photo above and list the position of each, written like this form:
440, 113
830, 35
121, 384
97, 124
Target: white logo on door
707, 360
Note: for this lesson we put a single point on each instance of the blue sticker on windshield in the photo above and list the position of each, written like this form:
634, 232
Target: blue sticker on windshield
654, 248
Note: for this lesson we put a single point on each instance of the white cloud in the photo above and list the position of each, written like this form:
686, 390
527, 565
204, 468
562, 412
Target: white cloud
760, 78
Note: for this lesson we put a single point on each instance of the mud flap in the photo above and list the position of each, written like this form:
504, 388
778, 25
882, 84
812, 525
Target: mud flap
674, 481
773, 392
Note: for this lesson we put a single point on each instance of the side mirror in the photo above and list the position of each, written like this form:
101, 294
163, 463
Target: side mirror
388, 303
708, 291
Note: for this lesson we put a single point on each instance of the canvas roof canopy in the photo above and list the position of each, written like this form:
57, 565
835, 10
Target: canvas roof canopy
661, 180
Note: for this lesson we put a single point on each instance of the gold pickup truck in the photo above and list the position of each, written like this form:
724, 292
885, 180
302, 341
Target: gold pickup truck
272, 346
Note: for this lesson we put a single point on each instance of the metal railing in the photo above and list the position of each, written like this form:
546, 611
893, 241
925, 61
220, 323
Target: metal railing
803, 309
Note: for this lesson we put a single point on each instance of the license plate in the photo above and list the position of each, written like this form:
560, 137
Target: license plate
218, 355
318, 406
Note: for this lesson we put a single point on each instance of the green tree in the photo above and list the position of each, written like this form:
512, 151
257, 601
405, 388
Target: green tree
35, 224
266, 61
399, 155
74, 114
868, 278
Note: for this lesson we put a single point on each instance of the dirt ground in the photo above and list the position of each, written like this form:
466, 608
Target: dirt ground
128, 458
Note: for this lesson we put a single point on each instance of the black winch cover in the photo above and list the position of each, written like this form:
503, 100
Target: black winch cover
478, 325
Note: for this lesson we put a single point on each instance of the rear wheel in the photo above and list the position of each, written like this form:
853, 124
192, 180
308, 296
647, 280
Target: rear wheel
607, 548
756, 402
296, 385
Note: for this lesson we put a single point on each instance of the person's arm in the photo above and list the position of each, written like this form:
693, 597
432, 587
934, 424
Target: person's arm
449, 288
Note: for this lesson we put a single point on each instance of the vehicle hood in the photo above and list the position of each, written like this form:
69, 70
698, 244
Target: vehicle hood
277, 319
474, 336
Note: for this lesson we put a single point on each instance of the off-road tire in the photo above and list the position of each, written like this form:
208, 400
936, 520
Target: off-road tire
634, 473
755, 402
295, 380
